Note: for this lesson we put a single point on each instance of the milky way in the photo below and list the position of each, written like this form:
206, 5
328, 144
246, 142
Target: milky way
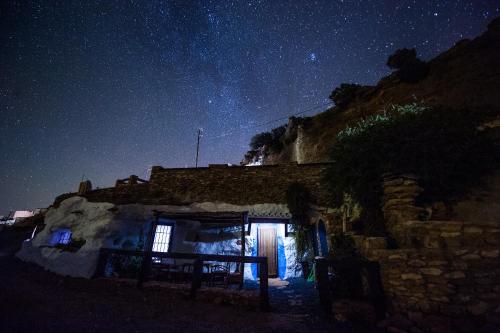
105, 89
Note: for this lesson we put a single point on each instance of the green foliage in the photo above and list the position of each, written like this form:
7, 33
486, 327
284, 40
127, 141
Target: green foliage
442, 147
345, 94
298, 200
270, 140
302, 237
260, 140
343, 246
411, 69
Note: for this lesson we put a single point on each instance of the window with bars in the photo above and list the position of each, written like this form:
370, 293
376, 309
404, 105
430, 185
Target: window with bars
60, 236
163, 235
65, 237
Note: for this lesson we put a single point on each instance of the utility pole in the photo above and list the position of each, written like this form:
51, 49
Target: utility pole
200, 131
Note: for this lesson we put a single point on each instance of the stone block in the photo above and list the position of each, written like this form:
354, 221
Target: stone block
478, 308
455, 275
400, 256
440, 299
490, 253
416, 263
411, 276
431, 271
473, 230
470, 256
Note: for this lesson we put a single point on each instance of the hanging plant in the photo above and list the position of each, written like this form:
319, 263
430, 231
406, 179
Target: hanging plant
298, 200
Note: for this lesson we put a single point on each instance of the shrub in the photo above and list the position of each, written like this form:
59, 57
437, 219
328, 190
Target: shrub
345, 94
411, 69
442, 147
260, 140
270, 140
298, 200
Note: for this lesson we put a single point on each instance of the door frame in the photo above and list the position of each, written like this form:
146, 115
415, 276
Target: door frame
276, 249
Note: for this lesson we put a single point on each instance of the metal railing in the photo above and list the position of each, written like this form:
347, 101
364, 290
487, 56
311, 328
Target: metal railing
198, 263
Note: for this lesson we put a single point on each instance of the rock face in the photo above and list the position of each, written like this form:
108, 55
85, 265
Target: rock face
465, 76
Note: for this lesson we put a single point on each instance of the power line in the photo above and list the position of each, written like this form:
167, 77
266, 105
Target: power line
268, 122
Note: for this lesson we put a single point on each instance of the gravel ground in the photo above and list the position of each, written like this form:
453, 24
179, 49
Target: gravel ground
33, 300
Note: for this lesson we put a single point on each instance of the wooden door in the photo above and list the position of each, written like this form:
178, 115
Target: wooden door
268, 247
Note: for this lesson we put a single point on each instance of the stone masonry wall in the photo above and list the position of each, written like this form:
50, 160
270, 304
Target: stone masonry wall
445, 275
450, 282
237, 185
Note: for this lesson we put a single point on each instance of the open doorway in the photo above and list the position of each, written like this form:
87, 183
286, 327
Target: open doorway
268, 247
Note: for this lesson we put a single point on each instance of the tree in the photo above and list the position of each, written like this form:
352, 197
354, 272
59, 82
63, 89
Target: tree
260, 140
345, 94
410, 68
270, 140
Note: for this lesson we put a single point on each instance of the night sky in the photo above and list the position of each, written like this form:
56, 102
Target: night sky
108, 88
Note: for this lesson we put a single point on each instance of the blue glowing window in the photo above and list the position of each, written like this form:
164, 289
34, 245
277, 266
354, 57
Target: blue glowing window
61, 236
65, 237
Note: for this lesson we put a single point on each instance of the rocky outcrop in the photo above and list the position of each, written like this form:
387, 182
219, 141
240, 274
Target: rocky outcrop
465, 76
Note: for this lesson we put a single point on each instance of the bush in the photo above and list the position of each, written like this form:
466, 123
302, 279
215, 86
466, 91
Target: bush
442, 147
298, 200
260, 140
345, 94
411, 69
270, 140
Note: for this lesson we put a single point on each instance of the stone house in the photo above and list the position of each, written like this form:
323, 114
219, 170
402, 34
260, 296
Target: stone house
194, 210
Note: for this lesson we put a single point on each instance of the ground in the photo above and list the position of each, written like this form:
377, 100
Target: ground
34, 300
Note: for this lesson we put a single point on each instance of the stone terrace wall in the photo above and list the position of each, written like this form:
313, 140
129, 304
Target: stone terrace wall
237, 184
449, 281
217, 183
445, 274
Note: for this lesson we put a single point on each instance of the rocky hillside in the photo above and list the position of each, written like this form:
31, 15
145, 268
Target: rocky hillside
465, 76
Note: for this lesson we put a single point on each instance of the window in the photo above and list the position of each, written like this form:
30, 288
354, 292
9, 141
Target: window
60, 236
289, 229
65, 237
163, 235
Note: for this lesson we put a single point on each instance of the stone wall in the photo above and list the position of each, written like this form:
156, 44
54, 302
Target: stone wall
399, 203
450, 280
236, 184
445, 274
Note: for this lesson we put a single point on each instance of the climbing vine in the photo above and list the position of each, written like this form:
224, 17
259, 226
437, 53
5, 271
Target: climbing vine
298, 200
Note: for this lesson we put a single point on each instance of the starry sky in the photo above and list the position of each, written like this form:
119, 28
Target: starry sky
105, 89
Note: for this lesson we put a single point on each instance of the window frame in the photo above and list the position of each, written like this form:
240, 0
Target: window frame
172, 230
